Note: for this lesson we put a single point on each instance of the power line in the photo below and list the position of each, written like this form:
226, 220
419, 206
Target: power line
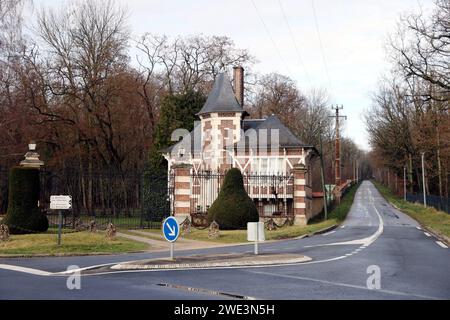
320, 43
270, 36
294, 42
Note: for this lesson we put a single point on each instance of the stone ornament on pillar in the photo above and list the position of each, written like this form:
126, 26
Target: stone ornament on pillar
32, 157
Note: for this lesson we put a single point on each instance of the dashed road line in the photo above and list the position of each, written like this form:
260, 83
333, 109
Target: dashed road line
427, 234
442, 245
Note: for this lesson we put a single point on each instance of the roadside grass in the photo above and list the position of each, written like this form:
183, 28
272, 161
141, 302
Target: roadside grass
437, 221
239, 236
339, 213
72, 243
236, 236
336, 216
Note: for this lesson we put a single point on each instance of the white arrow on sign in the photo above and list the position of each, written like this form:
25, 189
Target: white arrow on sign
172, 231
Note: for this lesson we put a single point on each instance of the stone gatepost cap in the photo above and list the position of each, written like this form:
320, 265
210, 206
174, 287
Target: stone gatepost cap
299, 166
182, 166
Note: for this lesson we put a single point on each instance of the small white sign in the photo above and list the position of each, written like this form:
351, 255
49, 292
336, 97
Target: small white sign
60, 202
255, 231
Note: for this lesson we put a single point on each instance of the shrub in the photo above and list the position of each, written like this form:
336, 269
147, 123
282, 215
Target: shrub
154, 196
233, 207
23, 215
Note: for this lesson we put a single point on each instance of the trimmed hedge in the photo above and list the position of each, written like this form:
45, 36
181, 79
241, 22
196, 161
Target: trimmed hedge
23, 215
233, 207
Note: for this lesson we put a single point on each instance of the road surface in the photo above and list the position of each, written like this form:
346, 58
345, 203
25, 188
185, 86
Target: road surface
412, 265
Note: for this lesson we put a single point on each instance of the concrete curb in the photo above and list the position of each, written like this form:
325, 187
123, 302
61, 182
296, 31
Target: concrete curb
321, 231
125, 266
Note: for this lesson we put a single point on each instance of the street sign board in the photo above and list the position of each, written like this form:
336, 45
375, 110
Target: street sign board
171, 230
255, 232
60, 202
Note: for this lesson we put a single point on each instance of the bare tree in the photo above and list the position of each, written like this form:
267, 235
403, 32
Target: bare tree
422, 48
188, 63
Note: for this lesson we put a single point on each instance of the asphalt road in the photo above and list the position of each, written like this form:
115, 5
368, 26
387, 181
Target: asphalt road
375, 236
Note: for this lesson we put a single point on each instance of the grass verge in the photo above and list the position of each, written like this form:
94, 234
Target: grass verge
437, 221
77, 243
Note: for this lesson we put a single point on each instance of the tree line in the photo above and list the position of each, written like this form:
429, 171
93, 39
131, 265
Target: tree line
96, 97
410, 108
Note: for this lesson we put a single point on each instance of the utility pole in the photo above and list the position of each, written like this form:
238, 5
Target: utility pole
357, 171
389, 185
423, 181
396, 183
322, 177
337, 161
404, 183
354, 170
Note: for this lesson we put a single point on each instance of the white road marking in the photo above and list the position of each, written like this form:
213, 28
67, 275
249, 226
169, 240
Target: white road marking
343, 226
35, 272
418, 228
364, 241
67, 273
427, 234
441, 244
325, 234
212, 268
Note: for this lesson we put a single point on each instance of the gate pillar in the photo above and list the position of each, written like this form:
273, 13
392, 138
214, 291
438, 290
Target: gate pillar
182, 191
302, 204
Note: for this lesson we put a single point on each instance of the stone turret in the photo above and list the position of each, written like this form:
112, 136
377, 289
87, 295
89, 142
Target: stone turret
221, 118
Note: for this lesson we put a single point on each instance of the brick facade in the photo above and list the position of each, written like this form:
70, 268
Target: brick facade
182, 191
302, 199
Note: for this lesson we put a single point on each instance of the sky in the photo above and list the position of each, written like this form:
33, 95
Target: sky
338, 45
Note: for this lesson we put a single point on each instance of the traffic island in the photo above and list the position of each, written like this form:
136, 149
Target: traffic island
212, 261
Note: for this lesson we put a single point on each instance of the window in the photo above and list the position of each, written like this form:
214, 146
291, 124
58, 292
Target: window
276, 166
263, 166
269, 166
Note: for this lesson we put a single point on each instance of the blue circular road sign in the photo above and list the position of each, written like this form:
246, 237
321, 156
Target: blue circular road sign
171, 230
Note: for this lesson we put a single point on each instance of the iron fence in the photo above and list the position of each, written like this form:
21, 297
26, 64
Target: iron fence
442, 204
272, 194
138, 199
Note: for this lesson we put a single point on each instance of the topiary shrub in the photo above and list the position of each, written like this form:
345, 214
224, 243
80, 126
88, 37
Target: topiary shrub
233, 207
23, 215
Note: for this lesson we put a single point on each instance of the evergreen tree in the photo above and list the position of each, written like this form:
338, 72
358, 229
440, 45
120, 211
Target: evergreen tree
177, 111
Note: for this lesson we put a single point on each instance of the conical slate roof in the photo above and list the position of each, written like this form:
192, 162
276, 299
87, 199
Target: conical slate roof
221, 98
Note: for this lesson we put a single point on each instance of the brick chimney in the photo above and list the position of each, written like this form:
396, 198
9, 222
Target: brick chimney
238, 78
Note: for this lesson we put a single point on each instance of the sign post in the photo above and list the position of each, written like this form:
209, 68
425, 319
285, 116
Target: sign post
59, 226
60, 203
171, 231
255, 232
